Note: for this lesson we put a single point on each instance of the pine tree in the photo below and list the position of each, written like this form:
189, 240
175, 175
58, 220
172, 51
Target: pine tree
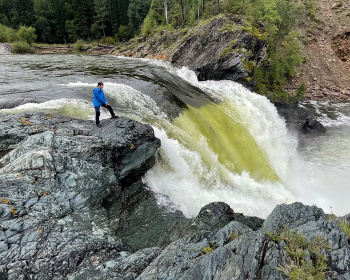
98, 28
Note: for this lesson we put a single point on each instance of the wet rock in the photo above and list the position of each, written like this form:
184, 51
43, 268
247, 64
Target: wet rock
53, 185
313, 126
254, 223
237, 252
293, 113
141, 223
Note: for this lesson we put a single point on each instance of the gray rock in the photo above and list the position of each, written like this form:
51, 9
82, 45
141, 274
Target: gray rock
5, 48
292, 216
313, 126
54, 183
203, 52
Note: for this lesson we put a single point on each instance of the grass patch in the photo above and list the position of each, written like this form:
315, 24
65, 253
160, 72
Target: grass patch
307, 259
234, 236
79, 45
345, 226
22, 47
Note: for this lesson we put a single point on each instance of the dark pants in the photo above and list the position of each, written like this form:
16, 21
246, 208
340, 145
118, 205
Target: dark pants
98, 113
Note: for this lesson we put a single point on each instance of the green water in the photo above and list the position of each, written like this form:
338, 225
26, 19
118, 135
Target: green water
226, 137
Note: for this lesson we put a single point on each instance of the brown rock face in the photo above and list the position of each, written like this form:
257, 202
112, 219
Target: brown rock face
341, 46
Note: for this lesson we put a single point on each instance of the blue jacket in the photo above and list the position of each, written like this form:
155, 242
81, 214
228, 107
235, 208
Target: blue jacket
99, 97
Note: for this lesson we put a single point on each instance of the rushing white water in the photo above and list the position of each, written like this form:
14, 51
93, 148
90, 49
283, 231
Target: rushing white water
190, 173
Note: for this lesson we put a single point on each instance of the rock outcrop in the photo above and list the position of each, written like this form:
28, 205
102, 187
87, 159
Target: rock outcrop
5, 48
73, 206
215, 51
313, 126
53, 185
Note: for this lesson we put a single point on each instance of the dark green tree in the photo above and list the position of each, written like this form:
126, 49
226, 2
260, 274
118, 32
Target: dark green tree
83, 13
118, 14
137, 12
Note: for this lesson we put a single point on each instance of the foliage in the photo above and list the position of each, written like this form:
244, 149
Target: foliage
207, 250
300, 93
107, 41
210, 248
26, 34
22, 47
234, 236
273, 237
63, 21
345, 226
311, 8
226, 51
308, 260
148, 24
125, 32
7, 34
79, 45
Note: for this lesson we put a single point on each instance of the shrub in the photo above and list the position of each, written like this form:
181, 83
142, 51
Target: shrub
7, 34
26, 34
148, 24
107, 40
125, 32
345, 226
226, 51
307, 258
79, 45
22, 47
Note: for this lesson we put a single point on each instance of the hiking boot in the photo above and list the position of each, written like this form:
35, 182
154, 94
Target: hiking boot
114, 117
98, 125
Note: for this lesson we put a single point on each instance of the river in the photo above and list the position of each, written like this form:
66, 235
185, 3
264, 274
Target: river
220, 142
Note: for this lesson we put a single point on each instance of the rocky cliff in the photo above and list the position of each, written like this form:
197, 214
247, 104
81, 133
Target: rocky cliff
73, 206
216, 50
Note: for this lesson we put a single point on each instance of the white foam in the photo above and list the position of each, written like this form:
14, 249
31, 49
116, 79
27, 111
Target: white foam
181, 175
258, 115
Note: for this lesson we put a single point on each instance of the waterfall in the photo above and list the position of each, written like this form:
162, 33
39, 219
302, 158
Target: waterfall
236, 149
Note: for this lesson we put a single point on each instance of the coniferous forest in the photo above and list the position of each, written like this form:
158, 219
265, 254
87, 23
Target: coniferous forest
65, 21
109, 21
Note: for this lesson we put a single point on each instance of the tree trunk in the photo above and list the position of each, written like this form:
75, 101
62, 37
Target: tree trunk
219, 10
203, 5
182, 11
166, 11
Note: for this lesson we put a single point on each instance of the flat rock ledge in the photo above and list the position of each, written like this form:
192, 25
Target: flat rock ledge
5, 48
73, 206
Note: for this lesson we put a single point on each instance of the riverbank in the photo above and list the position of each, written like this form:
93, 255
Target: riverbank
314, 92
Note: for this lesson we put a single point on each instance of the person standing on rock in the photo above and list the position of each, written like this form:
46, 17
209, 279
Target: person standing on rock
99, 99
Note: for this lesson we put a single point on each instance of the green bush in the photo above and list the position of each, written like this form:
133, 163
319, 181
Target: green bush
79, 45
22, 47
345, 226
107, 41
307, 258
125, 32
7, 34
148, 24
26, 34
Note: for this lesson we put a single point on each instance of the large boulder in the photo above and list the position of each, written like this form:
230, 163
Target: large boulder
53, 185
313, 126
215, 54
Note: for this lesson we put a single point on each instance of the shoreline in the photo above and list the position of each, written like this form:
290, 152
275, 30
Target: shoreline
312, 94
